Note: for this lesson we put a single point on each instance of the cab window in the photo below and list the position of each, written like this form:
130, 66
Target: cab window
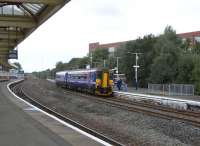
99, 74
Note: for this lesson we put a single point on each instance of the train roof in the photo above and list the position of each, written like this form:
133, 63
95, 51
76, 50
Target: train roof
76, 71
81, 71
61, 72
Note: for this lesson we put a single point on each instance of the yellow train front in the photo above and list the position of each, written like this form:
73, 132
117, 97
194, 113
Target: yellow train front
104, 83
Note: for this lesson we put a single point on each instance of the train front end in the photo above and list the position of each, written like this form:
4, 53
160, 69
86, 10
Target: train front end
104, 83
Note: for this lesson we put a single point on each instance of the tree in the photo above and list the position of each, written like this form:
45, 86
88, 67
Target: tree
99, 55
143, 45
196, 73
18, 65
84, 62
185, 67
163, 70
60, 66
167, 50
186, 45
73, 63
196, 48
164, 59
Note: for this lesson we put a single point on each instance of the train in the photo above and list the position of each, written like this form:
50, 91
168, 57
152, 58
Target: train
94, 81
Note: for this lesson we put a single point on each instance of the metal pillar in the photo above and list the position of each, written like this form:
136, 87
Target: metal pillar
91, 60
104, 63
117, 65
136, 66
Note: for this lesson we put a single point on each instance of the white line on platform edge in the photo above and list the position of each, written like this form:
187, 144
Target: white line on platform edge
57, 119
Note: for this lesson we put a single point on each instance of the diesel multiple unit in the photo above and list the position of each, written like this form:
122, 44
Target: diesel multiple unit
95, 81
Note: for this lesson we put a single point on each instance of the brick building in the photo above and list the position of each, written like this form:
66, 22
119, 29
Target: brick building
110, 46
192, 36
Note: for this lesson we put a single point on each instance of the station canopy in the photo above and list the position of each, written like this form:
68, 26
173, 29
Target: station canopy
19, 18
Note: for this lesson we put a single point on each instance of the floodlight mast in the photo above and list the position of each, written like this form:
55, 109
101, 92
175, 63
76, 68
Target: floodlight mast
91, 57
136, 66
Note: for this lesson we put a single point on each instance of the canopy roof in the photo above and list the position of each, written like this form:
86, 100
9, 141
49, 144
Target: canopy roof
19, 18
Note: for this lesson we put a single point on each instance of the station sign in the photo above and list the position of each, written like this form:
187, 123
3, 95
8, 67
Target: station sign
13, 54
136, 66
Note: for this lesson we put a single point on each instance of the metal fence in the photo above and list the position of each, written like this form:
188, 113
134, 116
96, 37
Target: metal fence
171, 89
10, 75
2, 73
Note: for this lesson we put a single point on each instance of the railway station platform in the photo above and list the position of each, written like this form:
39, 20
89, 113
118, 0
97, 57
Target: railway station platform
23, 125
145, 91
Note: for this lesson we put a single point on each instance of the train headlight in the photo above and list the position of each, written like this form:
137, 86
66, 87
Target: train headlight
98, 82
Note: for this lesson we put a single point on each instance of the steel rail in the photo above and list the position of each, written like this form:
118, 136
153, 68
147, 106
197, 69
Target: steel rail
21, 93
149, 109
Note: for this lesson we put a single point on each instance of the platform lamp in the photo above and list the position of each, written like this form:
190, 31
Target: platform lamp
91, 60
117, 67
136, 66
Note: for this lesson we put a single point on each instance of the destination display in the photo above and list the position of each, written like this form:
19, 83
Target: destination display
13, 54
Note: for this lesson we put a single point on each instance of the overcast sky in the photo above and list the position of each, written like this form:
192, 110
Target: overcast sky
68, 33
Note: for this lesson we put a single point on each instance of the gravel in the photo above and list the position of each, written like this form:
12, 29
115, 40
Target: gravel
130, 128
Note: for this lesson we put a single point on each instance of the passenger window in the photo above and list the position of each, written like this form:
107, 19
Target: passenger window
93, 76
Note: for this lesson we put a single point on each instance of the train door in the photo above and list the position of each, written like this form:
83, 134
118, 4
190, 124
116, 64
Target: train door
66, 80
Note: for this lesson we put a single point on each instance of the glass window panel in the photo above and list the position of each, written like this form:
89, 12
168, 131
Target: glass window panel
14, 10
7, 10
11, 10
34, 8
18, 11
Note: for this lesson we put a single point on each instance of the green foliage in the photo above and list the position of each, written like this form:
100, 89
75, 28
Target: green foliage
100, 54
164, 67
196, 48
84, 62
185, 67
163, 70
143, 45
164, 59
196, 73
74, 63
18, 65
43, 74
186, 45
60, 66
98, 57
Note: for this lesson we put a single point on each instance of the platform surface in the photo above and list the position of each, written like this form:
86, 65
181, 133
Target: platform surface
145, 91
21, 125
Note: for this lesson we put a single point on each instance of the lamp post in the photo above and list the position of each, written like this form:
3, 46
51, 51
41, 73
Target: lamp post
104, 63
91, 59
136, 66
117, 68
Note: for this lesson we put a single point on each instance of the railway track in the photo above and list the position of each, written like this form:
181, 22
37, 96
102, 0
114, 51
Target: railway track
160, 111
17, 88
4, 80
191, 117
